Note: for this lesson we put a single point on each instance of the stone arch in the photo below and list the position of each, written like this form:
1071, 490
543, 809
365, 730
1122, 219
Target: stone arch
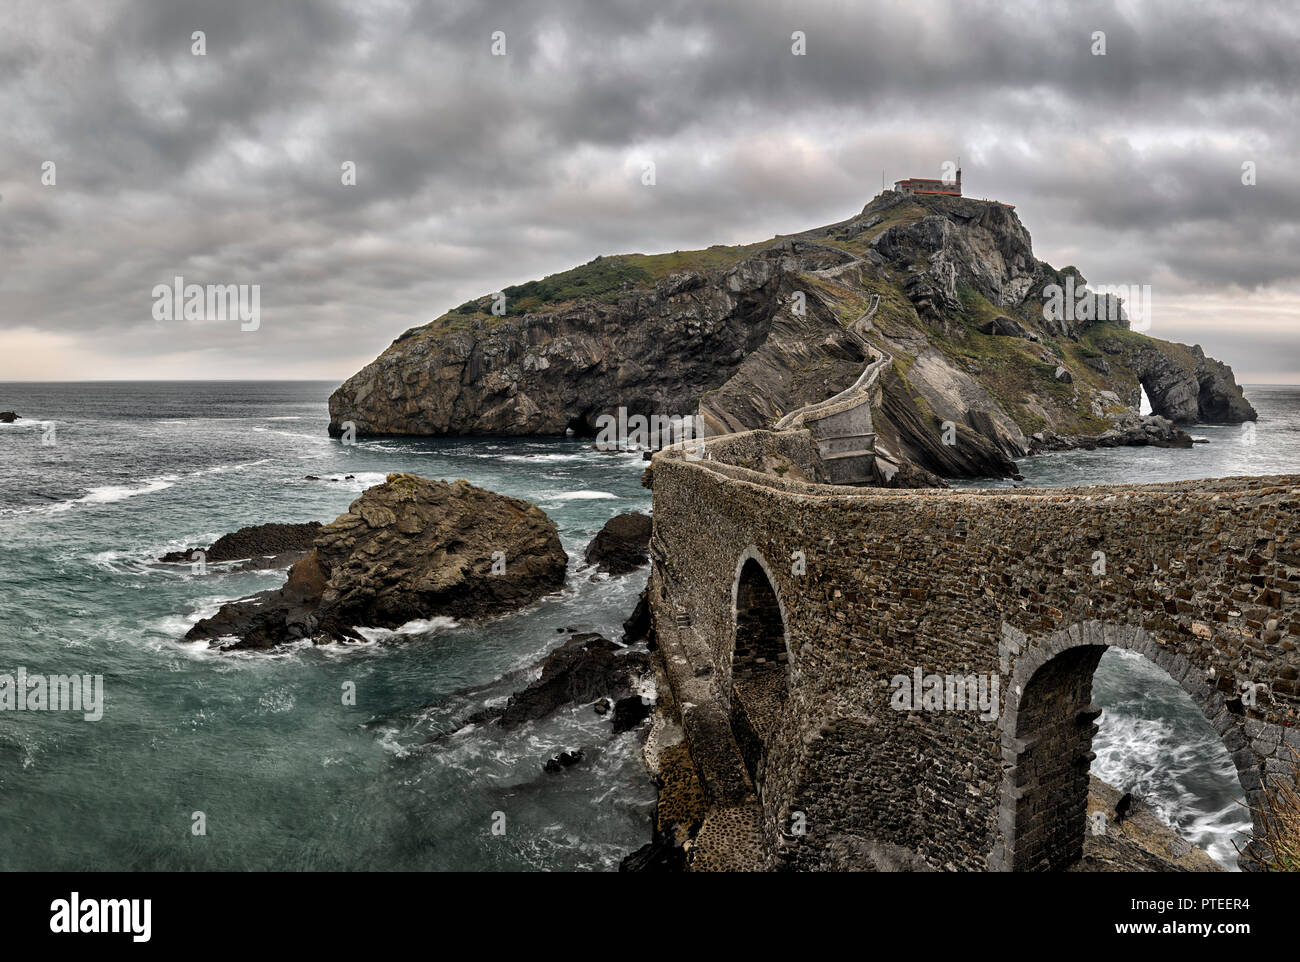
759, 670
1048, 722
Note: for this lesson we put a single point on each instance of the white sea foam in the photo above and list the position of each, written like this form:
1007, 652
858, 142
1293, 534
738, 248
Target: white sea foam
418, 627
1153, 760
318, 439
583, 495
111, 493
223, 468
537, 457
357, 482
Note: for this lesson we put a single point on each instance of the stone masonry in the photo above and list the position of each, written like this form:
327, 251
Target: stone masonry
1027, 587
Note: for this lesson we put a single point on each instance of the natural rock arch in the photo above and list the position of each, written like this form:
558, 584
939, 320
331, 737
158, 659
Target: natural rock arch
1048, 723
759, 673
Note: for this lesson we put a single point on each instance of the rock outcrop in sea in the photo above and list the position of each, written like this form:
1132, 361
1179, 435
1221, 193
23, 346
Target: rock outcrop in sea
407, 549
622, 545
586, 668
259, 546
947, 290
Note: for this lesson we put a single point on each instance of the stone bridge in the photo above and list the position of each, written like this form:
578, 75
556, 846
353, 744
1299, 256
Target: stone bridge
787, 609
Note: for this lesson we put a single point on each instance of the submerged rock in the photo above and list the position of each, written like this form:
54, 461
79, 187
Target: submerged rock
622, 545
407, 549
557, 763
586, 667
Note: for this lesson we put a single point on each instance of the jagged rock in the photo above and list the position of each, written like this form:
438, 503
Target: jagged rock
444, 379
1004, 326
8, 417
585, 667
1150, 430
264, 545
906, 429
622, 545
638, 625
904, 474
1137, 842
1130, 431
1186, 386
1063, 375
406, 549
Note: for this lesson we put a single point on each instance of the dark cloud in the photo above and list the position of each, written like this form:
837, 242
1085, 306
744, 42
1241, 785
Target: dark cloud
477, 171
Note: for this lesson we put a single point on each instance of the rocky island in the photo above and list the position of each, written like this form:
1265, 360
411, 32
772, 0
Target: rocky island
942, 294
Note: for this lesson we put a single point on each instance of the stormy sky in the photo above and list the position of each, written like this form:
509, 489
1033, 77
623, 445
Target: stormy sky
475, 171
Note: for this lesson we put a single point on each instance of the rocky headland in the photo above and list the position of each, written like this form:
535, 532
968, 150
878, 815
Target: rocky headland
946, 290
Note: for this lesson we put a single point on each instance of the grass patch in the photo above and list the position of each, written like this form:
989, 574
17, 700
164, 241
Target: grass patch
601, 279
717, 257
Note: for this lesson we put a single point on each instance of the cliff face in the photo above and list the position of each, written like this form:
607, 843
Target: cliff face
949, 288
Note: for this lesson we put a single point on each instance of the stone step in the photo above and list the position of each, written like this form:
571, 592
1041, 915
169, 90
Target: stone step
848, 443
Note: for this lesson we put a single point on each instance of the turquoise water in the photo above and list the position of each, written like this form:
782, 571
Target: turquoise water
288, 777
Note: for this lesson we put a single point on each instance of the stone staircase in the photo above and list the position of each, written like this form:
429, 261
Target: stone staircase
841, 424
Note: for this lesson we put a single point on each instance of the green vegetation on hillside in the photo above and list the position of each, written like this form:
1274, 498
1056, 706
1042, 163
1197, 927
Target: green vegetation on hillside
599, 279
1013, 368
717, 257
604, 279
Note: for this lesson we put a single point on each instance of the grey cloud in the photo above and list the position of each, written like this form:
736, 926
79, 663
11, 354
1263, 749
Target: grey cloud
475, 172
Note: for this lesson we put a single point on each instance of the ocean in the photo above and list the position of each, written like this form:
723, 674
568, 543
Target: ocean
259, 751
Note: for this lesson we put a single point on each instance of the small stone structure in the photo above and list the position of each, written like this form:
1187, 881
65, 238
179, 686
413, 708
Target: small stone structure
927, 185
787, 611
